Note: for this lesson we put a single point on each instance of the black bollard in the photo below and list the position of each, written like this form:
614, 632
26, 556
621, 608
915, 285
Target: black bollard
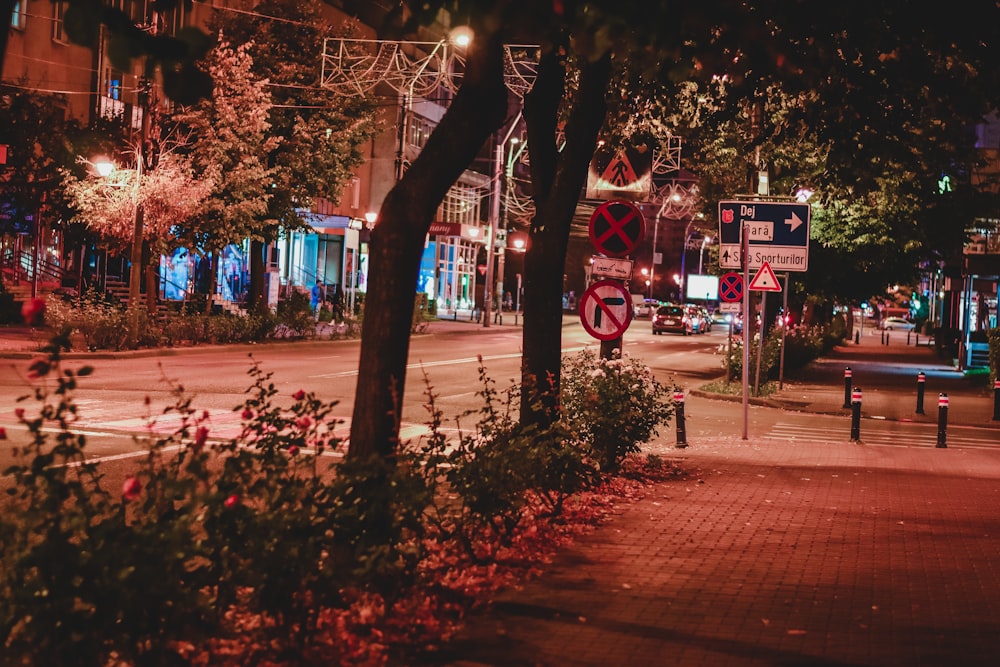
679, 406
996, 400
907, 337
857, 338
921, 381
942, 439
847, 387
856, 415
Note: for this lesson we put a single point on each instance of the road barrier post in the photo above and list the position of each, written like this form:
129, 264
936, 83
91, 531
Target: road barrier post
942, 438
996, 400
847, 387
908, 337
857, 338
856, 415
921, 381
679, 407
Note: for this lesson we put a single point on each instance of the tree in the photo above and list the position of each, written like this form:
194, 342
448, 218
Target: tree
228, 142
39, 144
871, 72
168, 195
322, 135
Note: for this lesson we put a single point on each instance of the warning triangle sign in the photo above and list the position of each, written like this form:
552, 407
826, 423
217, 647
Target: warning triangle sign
619, 172
765, 280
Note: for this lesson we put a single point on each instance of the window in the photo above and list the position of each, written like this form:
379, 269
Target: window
58, 27
17, 15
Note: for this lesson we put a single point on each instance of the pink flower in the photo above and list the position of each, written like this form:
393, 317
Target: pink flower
19, 413
131, 489
200, 436
3, 433
293, 450
33, 311
247, 414
232, 501
303, 422
299, 395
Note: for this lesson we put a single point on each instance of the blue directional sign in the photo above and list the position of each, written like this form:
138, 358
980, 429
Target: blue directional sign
778, 234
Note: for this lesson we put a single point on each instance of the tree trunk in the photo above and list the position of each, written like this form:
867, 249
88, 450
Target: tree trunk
557, 178
213, 279
397, 244
257, 297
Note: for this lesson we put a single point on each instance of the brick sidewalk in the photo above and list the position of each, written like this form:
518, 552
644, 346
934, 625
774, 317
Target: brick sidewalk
772, 554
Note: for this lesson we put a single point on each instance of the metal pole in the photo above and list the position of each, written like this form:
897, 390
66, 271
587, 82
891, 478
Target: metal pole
744, 249
517, 300
847, 387
498, 173
784, 325
652, 260
921, 382
856, 415
942, 435
760, 342
681, 430
996, 400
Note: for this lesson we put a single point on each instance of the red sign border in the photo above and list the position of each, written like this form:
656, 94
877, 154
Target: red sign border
601, 210
742, 286
590, 294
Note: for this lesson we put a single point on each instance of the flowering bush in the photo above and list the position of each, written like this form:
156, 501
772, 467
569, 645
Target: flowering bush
101, 322
612, 405
270, 548
802, 345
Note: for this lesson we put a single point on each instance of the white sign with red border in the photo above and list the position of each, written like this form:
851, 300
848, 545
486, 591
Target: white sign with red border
606, 310
765, 280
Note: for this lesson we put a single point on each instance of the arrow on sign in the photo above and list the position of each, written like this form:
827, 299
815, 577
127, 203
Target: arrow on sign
793, 222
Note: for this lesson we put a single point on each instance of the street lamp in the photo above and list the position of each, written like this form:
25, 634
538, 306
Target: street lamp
492, 240
701, 256
122, 178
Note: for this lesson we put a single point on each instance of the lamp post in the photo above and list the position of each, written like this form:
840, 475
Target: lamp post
491, 241
701, 256
107, 169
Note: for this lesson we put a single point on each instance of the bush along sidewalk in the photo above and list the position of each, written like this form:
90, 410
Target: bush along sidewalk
272, 548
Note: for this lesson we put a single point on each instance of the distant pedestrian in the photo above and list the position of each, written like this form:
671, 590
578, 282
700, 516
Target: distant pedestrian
317, 293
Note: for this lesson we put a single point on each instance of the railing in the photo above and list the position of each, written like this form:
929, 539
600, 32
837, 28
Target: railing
23, 266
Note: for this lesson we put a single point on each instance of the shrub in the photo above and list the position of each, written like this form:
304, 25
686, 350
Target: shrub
499, 471
612, 405
769, 357
261, 549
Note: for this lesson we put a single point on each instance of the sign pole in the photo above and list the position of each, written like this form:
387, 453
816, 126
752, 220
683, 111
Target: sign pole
616, 228
760, 343
784, 327
744, 248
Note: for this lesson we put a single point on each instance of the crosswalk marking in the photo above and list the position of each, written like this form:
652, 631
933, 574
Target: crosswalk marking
915, 437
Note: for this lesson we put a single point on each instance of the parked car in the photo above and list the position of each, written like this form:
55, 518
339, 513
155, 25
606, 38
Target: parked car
896, 324
672, 319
